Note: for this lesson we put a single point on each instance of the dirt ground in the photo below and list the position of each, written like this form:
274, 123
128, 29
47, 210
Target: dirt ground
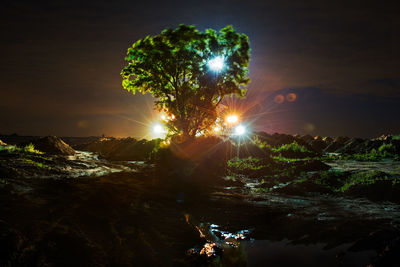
148, 219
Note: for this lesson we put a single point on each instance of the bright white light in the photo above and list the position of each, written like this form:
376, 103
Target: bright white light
240, 130
231, 119
158, 130
216, 64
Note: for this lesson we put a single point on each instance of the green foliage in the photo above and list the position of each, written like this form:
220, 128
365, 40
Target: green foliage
249, 163
369, 156
14, 149
387, 150
303, 178
368, 178
332, 179
396, 137
35, 163
259, 143
294, 147
285, 159
9, 149
293, 151
31, 149
172, 66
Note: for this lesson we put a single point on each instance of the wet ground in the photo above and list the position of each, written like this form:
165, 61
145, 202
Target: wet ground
142, 217
353, 165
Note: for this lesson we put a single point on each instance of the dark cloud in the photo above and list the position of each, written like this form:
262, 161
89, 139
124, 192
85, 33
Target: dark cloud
61, 59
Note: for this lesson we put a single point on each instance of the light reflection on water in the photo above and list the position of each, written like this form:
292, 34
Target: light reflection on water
221, 246
227, 248
283, 253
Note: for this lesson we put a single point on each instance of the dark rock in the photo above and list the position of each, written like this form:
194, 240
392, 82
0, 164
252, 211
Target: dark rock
380, 190
341, 139
311, 165
328, 140
351, 146
317, 137
281, 139
333, 147
368, 145
307, 138
318, 145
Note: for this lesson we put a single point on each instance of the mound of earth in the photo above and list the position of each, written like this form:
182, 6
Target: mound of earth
122, 148
380, 190
53, 145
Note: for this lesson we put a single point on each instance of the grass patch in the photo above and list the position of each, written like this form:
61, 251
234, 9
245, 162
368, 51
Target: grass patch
368, 178
250, 163
303, 178
332, 179
385, 151
293, 150
35, 163
292, 147
31, 149
396, 137
285, 159
259, 143
9, 149
12, 149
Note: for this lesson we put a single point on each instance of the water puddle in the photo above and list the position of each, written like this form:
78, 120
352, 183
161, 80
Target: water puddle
358, 166
220, 245
224, 248
285, 253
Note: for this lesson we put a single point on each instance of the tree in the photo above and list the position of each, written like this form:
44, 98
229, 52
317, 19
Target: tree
174, 66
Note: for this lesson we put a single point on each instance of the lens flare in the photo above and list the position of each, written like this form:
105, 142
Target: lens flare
279, 99
158, 130
291, 97
217, 63
240, 130
232, 119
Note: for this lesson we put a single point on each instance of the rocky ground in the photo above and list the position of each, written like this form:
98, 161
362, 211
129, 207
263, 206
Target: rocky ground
280, 206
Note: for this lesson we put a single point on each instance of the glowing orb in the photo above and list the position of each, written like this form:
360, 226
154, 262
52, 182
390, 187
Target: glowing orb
231, 119
240, 130
158, 129
291, 97
217, 63
279, 99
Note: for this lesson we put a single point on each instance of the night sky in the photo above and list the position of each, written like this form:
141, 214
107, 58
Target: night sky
61, 62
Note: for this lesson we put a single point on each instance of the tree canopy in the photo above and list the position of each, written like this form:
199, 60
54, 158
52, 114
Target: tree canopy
174, 66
